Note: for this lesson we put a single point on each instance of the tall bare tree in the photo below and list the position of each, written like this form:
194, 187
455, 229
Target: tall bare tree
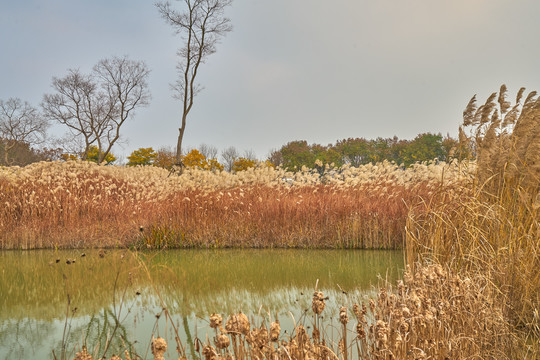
95, 106
201, 25
20, 123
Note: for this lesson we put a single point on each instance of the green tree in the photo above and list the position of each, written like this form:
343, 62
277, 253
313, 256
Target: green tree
142, 156
353, 151
424, 147
297, 154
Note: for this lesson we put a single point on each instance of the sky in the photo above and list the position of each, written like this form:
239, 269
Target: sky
314, 70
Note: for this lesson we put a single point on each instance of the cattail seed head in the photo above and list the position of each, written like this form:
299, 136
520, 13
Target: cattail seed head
343, 317
222, 341
275, 330
318, 303
158, 347
215, 321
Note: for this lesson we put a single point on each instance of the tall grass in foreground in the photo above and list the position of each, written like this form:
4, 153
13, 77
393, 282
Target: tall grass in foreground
431, 314
493, 230
80, 204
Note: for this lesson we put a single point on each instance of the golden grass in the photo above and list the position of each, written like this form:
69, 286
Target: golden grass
492, 226
80, 204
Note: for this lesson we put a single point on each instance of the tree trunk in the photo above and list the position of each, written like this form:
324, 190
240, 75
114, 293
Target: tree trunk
179, 146
6, 149
180, 138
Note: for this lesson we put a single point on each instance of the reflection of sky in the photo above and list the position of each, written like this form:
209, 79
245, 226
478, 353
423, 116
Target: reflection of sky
192, 285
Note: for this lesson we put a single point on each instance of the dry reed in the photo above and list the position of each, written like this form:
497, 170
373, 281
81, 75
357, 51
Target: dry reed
80, 204
491, 226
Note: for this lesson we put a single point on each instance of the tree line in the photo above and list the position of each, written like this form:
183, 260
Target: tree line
361, 151
296, 155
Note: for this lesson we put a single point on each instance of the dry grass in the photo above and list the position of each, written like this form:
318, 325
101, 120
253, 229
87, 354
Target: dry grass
80, 204
491, 227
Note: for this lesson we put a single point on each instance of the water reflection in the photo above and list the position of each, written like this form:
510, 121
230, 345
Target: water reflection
134, 287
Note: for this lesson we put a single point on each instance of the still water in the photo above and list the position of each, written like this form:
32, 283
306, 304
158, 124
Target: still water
48, 302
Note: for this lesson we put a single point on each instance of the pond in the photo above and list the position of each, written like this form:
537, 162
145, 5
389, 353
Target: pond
55, 300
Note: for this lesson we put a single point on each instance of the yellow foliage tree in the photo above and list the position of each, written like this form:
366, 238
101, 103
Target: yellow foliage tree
195, 159
93, 155
68, 156
243, 163
142, 156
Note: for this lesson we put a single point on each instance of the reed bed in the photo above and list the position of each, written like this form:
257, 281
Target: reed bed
492, 226
80, 204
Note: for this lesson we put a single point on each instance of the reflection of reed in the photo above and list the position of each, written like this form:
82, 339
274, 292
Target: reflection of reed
31, 283
189, 281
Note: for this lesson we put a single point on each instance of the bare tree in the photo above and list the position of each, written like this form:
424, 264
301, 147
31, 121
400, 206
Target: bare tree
94, 107
229, 156
250, 155
201, 25
20, 123
209, 151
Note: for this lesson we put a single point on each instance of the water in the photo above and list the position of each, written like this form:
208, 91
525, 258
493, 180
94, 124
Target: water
46, 302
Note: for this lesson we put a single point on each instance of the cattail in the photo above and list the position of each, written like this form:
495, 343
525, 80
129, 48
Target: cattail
222, 341
318, 302
275, 330
343, 317
360, 331
215, 321
209, 352
238, 323
158, 347
356, 311
83, 355
381, 334
372, 305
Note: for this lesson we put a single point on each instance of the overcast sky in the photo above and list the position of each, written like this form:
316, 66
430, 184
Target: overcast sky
315, 70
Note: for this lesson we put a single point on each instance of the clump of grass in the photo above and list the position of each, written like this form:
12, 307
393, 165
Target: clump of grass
491, 226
